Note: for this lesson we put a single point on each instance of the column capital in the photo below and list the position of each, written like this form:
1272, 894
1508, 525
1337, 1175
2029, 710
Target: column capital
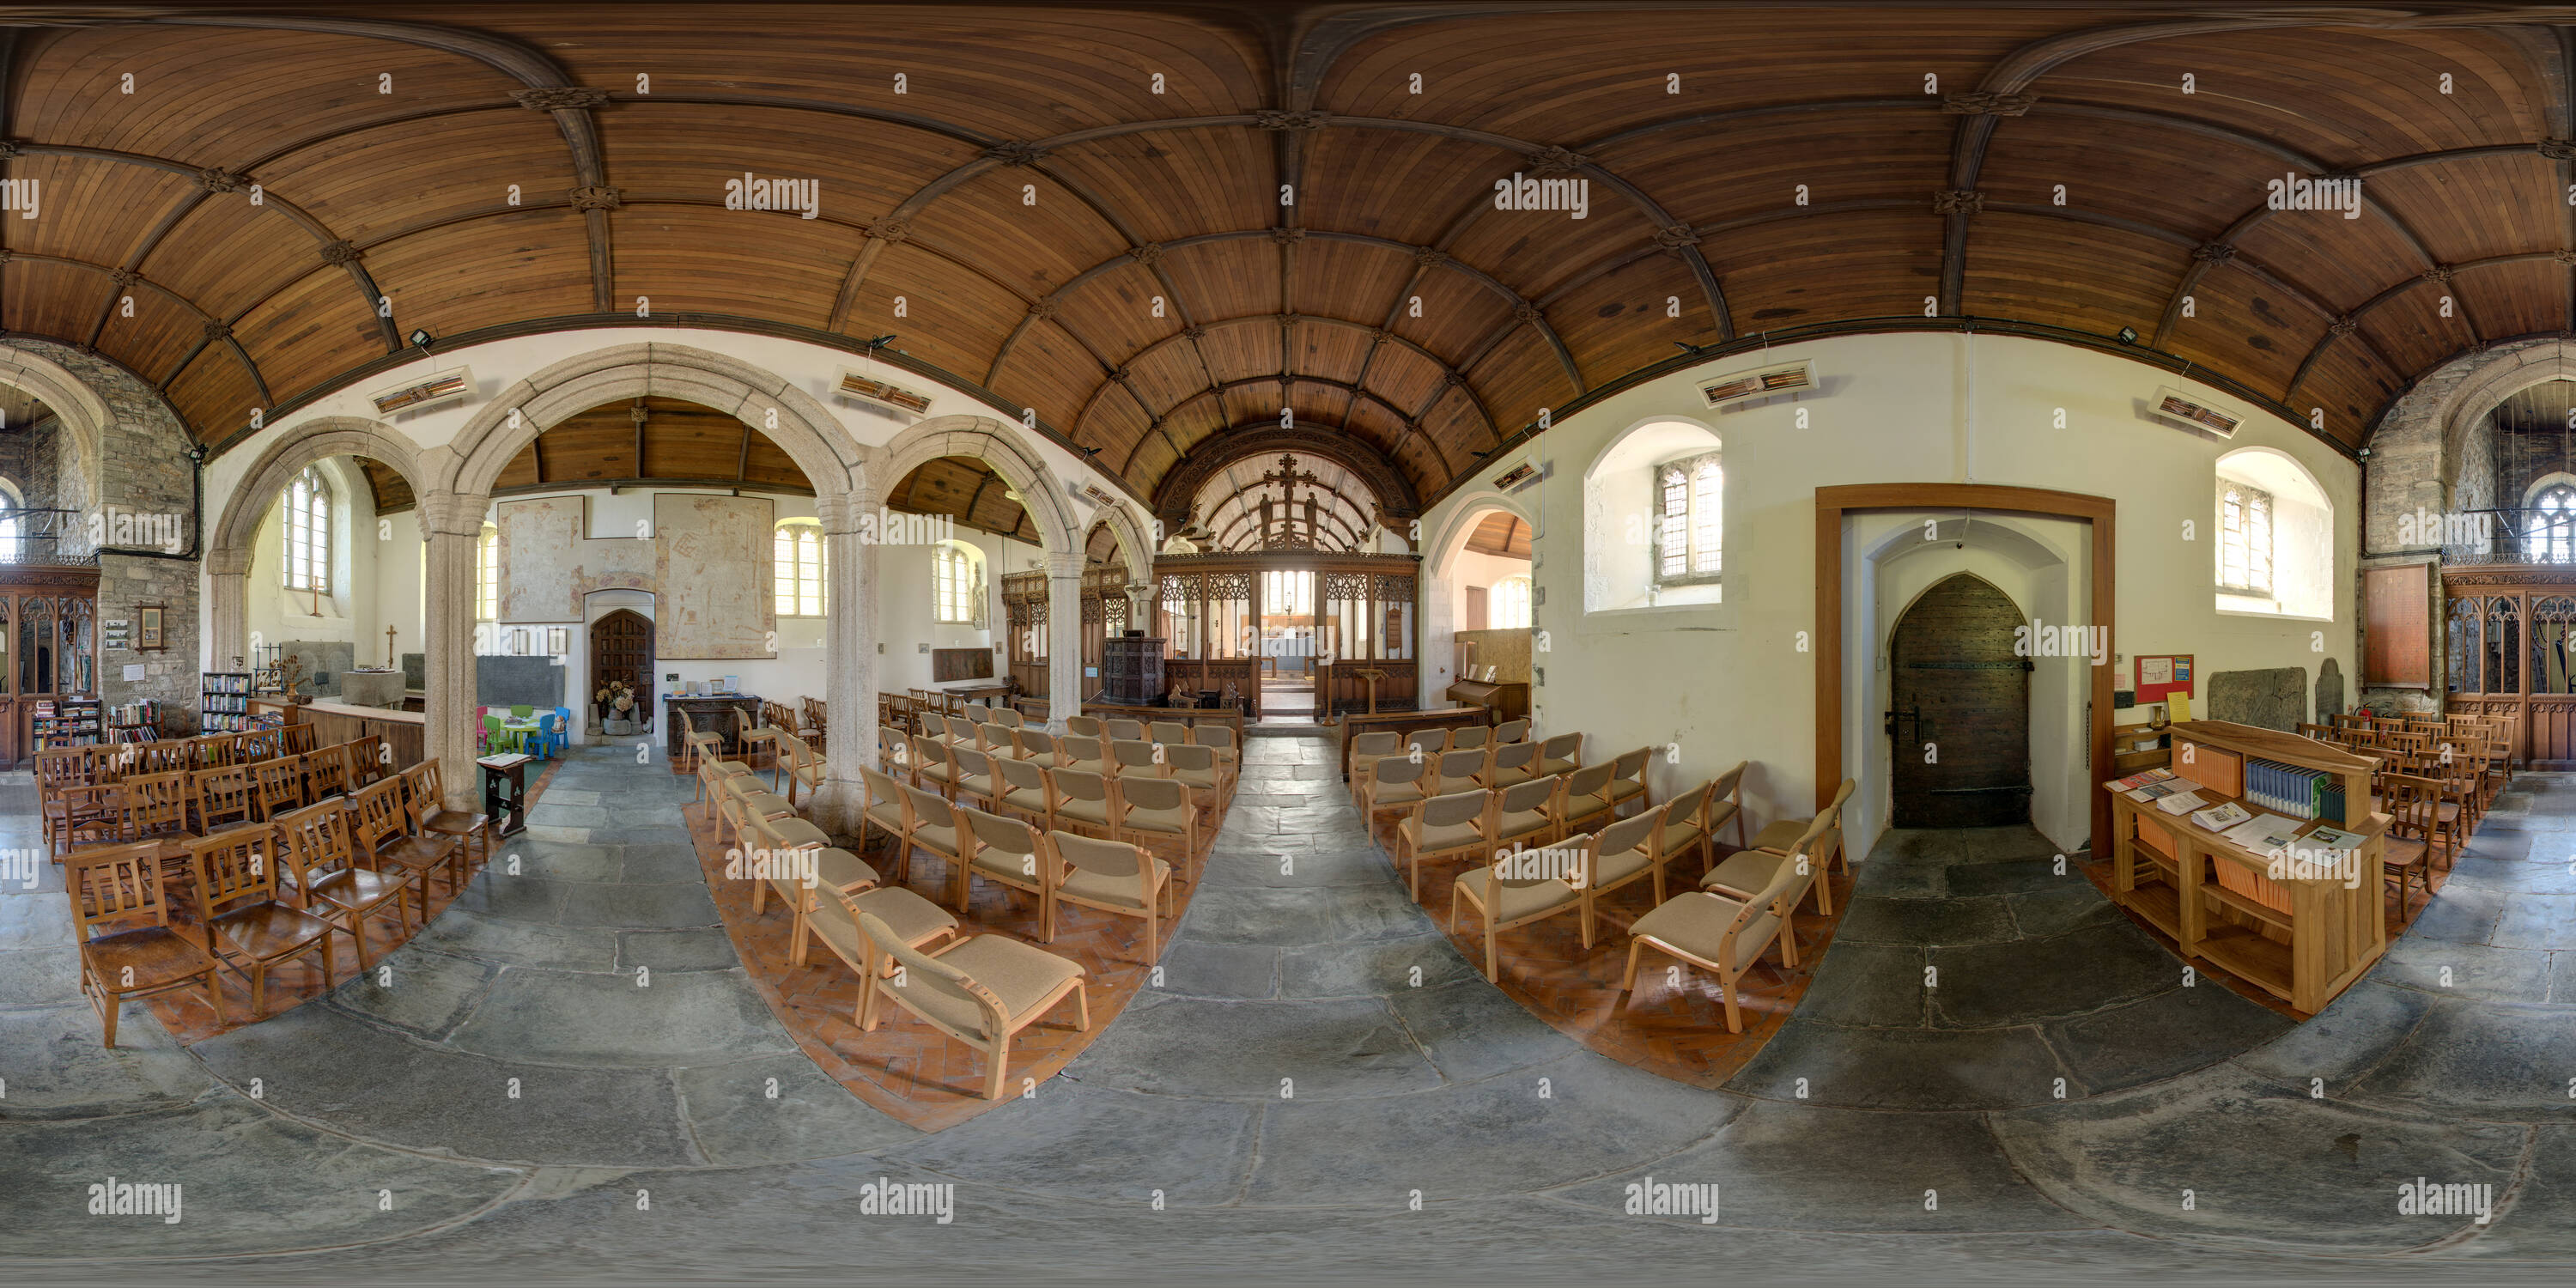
1064, 564
453, 513
841, 515
227, 563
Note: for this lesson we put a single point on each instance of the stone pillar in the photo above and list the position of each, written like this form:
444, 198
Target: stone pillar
227, 609
1064, 637
450, 523
849, 658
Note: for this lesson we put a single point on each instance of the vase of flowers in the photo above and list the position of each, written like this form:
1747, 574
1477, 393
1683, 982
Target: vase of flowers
615, 700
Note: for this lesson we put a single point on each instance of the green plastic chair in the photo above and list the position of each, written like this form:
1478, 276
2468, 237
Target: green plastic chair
521, 711
496, 738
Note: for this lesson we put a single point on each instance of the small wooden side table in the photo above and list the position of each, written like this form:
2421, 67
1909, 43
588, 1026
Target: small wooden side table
505, 787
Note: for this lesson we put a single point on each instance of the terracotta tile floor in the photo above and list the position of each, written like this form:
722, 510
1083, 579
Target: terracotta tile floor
1674, 1028
906, 1068
191, 1018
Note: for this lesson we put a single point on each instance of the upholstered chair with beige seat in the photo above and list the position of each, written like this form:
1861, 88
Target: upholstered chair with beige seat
1511, 731
935, 828
1431, 741
889, 811
1454, 826
783, 842
1024, 791
757, 737
1394, 783
998, 741
1458, 770
806, 769
1196, 767
1562, 754
1585, 802
1628, 778
1726, 805
1008, 852
1472, 738
1152, 810
932, 770
1082, 726
1525, 813
909, 919
695, 744
1078, 798
1113, 876
1088, 755
1366, 750
1137, 758
1747, 872
1721, 935
1512, 764
1623, 854
1123, 730
1514, 889
980, 991
976, 783
1170, 733
755, 801
1682, 832
894, 750
1037, 746
1009, 718
713, 774
1228, 746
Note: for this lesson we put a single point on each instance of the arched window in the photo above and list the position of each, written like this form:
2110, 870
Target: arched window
307, 506
487, 574
1689, 495
1510, 604
2244, 538
1654, 519
2552, 538
956, 586
799, 567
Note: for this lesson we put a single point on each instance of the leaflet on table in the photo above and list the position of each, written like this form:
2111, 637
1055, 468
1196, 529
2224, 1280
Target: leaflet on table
2139, 779
2158, 791
2265, 833
2181, 802
2219, 818
2333, 838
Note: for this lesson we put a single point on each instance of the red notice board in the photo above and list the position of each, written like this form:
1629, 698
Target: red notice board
2161, 674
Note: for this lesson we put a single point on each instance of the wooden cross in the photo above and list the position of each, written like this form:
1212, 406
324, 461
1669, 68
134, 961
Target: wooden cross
389, 648
1288, 476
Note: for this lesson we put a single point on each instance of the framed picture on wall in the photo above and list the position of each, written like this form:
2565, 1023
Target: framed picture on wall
147, 626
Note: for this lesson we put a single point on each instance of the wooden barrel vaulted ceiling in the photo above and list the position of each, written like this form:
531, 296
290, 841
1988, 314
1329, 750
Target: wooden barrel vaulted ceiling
1031, 197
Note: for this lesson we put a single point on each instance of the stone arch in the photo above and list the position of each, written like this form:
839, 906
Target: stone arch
228, 545
84, 415
1179, 490
998, 445
1133, 545
2418, 457
1439, 563
806, 430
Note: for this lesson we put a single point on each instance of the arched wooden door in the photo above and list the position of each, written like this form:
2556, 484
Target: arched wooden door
621, 648
1960, 709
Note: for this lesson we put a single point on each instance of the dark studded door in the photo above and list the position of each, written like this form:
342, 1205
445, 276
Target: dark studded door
1961, 712
621, 648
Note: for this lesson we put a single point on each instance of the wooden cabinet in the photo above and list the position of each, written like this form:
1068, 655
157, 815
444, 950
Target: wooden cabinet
48, 647
713, 715
1131, 671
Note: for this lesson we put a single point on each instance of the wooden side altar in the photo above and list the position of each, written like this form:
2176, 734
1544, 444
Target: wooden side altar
2300, 932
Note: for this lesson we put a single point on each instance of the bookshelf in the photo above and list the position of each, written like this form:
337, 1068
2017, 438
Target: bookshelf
2302, 932
65, 722
134, 721
224, 702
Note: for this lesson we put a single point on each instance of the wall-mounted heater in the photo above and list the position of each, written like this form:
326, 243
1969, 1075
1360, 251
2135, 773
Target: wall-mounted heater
2175, 405
1789, 378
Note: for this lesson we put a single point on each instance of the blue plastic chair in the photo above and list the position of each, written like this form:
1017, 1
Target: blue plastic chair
548, 734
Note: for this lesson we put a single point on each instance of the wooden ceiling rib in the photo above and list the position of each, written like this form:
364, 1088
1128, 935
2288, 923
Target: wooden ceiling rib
1060, 236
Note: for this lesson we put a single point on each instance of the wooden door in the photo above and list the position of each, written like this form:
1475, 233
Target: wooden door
1959, 688
621, 648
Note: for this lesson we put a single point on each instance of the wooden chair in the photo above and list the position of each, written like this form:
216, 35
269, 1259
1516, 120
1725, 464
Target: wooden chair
1446, 827
1024, 791
1621, 854
430, 816
1458, 770
121, 918
1083, 726
1474, 738
1136, 758
93, 814
998, 741
2406, 861
1726, 804
321, 861
1007, 852
2419, 807
369, 764
1394, 783
935, 828
1525, 814
1123, 730
156, 805
811, 726
1079, 798
1149, 809
806, 768
1748, 872
1506, 894
752, 799
1009, 718
980, 991
326, 773
281, 785
694, 744
1113, 876
1721, 935
931, 767
1366, 750
836, 872
915, 921
1431, 741
381, 827
224, 798
1037, 746
975, 782
1562, 754
1512, 764
298, 739
236, 876
1169, 733
1228, 746
886, 810
1628, 778
57, 769
1197, 769
894, 751
1084, 754
1511, 731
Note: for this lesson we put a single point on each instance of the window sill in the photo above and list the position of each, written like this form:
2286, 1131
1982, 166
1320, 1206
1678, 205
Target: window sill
2268, 616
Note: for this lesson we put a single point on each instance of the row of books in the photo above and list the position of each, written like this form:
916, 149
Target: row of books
226, 682
2295, 790
239, 722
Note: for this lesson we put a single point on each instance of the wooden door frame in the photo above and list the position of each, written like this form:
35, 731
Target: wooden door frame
1833, 504
645, 687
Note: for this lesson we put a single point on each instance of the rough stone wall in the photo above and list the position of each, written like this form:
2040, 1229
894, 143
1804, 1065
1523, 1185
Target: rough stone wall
28, 458
144, 469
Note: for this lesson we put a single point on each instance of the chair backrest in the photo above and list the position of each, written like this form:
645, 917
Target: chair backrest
314, 842
1121, 730
1470, 738
882, 790
1215, 736
1431, 741
1461, 766
928, 752
234, 865
1725, 785
1077, 785
326, 772
929, 808
427, 794
156, 804
521, 710
1009, 718
117, 884
1106, 858
214, 750
1168, 732
1520, 798
1181, 758
367, 759
1512, 731
1036, 743
971, 763
97, 810
1515, 755
1152, 793
281, 785
1376, 744
1592, 781
1021, 775
1455, 808
1082, 726
298, 739
1631, 833
162, 757
1073, 750
58, 767
380, 816
1012, 842
224, 795
934, 976
1685, 809
1137, 758
1393, 770
546, 724
814, 712
1630, 766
